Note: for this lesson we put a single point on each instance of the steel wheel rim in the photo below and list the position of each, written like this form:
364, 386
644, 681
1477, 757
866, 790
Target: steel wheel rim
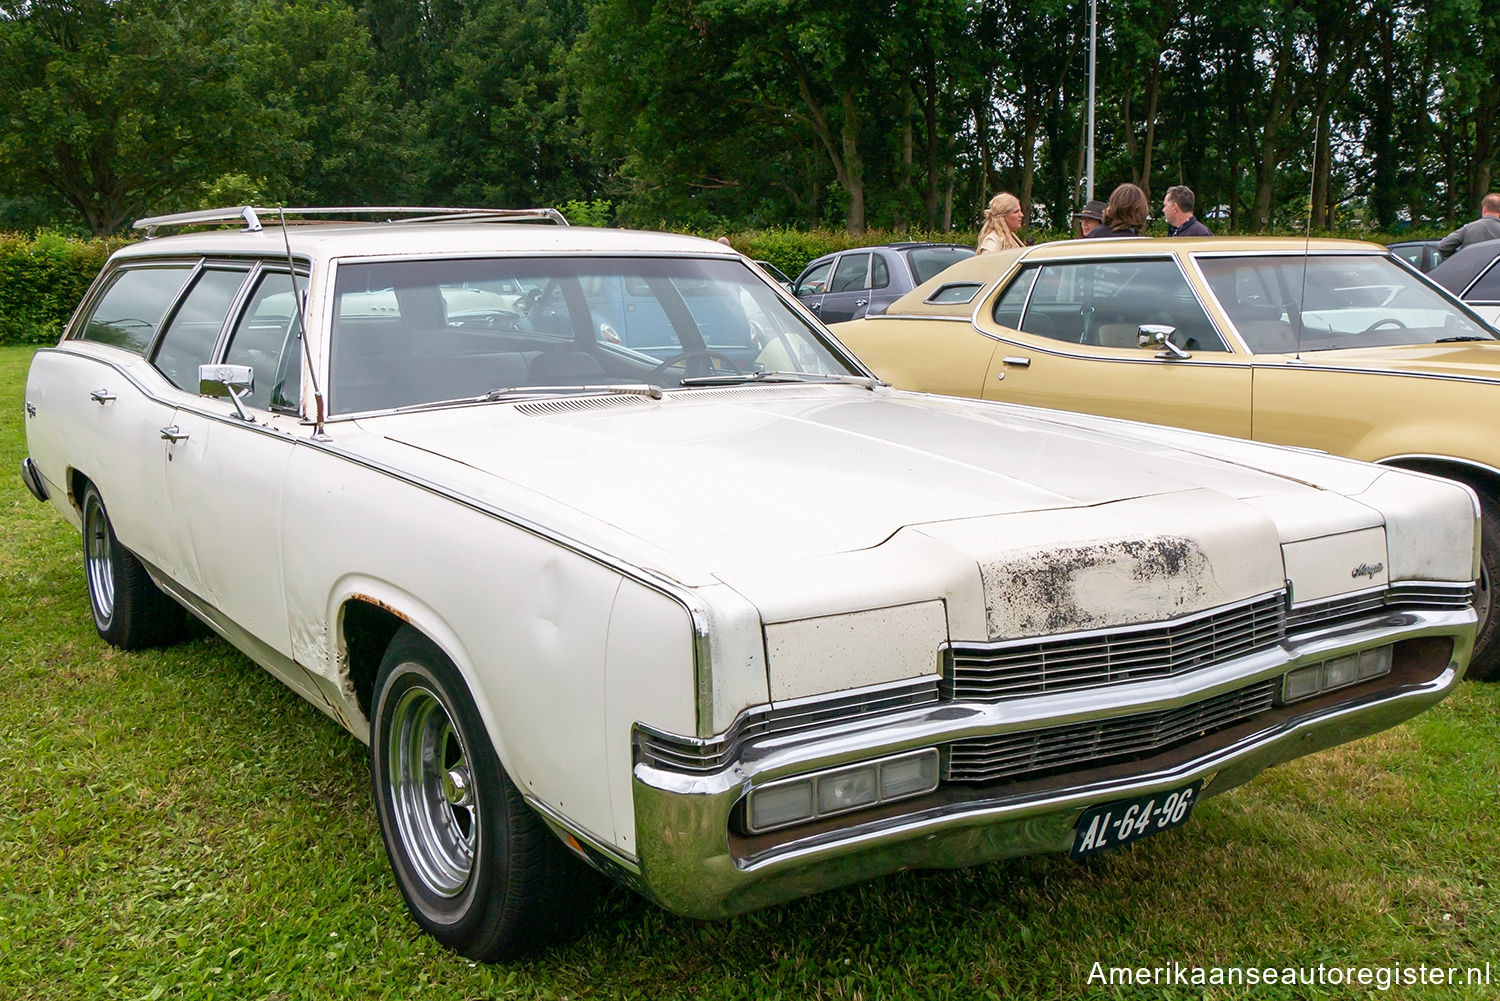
432, 794
99, 559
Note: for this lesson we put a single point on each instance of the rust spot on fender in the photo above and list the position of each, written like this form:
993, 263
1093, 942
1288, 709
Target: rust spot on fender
372, 600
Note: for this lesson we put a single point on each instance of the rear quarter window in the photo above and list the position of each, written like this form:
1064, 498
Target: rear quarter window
131, 309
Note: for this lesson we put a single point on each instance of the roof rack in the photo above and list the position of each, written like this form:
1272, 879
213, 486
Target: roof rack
251, 214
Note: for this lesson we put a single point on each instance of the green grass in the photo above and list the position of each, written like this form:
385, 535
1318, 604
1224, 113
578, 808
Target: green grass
175, 824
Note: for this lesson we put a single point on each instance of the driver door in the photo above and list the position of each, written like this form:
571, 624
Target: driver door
1069, 340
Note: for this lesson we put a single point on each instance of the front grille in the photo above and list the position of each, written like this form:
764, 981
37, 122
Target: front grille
992, 672
1079, 745
1413, 595
709, 754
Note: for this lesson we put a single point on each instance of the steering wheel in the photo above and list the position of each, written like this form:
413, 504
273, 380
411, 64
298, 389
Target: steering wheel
1389, 321
681, 358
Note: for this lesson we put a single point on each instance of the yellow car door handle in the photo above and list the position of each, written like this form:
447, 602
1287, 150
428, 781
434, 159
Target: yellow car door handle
1017, 361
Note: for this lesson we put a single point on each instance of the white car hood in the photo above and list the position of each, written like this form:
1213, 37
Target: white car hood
769, 475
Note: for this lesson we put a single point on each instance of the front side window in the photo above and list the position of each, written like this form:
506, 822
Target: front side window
814, 280
1104, 303
1290, 303
268, 338
129, 312
193, 330
410, 333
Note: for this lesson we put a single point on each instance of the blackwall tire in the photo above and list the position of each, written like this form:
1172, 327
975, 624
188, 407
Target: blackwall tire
479, 870
130, 611
1485, 665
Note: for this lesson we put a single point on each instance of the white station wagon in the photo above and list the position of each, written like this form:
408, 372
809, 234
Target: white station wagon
611, 553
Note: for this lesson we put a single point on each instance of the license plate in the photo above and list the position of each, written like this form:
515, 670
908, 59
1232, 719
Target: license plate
1127, 820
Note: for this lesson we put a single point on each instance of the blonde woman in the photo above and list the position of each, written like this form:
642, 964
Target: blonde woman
1002, 221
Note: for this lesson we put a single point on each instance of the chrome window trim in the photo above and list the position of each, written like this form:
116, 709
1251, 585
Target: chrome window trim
1234, 350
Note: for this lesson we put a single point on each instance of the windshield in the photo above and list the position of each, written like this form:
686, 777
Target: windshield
1347, 301
407, 333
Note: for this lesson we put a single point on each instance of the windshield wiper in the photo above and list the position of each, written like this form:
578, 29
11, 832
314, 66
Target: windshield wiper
768, 376
510, 393
1462, 337
624, 389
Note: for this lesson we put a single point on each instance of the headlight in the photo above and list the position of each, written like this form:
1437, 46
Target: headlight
839, 790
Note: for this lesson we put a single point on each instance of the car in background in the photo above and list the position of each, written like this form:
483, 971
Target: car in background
1420, 254
1328, 344
731, 629
1473, 274
864, 281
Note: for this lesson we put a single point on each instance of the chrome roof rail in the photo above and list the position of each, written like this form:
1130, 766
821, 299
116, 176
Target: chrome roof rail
392, 214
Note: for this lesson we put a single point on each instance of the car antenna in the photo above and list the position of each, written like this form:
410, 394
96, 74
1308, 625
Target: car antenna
312, 372
1312, 188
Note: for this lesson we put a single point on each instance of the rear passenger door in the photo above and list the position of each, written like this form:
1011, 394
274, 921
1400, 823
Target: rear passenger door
100, 405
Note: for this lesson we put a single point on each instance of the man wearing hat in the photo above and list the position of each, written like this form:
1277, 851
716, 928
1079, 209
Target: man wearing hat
1088, 217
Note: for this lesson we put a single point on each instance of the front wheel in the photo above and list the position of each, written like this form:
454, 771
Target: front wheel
130, 611
479, 870
1485, 665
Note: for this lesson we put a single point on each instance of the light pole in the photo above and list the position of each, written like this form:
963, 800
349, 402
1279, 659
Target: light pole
1088, 156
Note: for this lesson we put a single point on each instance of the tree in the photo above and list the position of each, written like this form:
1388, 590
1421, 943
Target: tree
503, 118
325, 130
111, 105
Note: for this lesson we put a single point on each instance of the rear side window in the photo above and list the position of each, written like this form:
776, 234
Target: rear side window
928, 262
194, 329
129, 312
1487, 288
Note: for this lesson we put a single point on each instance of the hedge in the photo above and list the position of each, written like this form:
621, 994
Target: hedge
42, 278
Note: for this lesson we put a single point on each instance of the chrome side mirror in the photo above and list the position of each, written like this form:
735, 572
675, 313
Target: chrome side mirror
1159, 335
233, 381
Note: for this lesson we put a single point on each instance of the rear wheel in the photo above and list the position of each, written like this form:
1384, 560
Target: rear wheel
1485, 665
479, 870
130, 611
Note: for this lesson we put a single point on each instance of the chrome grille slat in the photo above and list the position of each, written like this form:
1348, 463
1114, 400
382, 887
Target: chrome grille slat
991, 672
1078, 745
1413, 595
692, 754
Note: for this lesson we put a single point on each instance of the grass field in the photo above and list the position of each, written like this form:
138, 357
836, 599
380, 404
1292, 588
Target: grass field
175, 824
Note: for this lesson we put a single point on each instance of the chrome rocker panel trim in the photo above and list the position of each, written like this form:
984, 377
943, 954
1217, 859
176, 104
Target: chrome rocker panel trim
690, 863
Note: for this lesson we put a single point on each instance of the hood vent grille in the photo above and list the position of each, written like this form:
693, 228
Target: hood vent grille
580, 404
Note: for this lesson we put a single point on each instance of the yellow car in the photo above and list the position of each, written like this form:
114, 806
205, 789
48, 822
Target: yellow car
1326, 344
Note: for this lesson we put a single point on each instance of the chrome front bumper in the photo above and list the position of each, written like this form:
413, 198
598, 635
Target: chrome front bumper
692, 861
32, 477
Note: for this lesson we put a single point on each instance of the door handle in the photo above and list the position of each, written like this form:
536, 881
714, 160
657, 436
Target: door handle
173, 433
861, 302
101, 396
1017, 361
